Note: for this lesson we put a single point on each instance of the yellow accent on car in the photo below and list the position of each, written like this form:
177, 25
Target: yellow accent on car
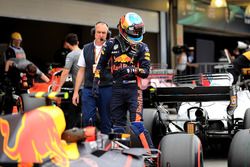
66, 95
247, 55
52, 95
245, 71
39, 94
57, 115
125, 136
71, 150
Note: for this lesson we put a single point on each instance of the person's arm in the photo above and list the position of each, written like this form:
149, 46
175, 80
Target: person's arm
195, 65
41, 75
68, 65
143, 69
63, 77
8, 64
44, 78
79, 77
78, 83
9, 53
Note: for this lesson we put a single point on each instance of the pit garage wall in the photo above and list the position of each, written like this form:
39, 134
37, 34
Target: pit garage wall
73, 12
44, 23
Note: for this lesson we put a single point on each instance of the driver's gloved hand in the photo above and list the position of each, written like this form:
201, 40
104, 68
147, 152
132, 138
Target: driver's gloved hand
127, 71
95, 87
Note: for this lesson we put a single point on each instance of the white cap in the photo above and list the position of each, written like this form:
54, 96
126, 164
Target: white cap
242, 45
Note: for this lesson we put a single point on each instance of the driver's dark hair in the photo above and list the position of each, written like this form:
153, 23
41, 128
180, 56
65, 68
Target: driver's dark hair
31, 68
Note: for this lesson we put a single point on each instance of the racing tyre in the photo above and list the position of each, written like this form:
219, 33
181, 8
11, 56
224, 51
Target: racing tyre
149, 117
247, 119
239, 150
180, 150
30, 103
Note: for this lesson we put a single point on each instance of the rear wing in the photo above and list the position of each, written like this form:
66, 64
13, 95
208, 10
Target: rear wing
189, 94
195, 88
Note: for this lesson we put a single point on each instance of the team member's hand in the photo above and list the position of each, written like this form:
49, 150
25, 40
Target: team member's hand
75, 98
95, 88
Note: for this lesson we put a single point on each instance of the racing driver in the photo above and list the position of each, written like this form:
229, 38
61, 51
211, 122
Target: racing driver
130, 61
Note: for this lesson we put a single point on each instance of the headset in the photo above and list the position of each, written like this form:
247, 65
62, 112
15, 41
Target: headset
92, 31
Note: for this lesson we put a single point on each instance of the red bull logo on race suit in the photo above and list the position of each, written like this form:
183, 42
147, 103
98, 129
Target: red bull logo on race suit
123, 59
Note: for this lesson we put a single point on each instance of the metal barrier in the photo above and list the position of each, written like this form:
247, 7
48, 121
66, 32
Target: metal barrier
216, 67
212, 67
207, 68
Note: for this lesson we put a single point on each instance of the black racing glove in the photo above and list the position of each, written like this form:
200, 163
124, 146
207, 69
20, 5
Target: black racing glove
127, 71
95, 87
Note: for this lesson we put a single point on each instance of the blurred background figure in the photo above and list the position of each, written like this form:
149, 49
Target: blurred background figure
60, 55
15, 50
71, 112
19, 75
191, 65
70, 67
233, 50
184, 60
23, 66
181, 59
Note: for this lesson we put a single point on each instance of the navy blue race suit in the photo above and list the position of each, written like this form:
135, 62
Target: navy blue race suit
128, 65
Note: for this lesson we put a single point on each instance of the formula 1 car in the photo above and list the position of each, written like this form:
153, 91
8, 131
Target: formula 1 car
37, 137
210, 107
239, 147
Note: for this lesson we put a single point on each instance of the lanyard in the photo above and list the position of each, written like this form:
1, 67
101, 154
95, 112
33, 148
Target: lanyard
97, 56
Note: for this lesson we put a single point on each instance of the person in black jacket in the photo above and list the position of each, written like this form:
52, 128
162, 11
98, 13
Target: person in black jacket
130, 60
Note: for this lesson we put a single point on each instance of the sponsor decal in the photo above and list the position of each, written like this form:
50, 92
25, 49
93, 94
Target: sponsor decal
123, 59
37, 138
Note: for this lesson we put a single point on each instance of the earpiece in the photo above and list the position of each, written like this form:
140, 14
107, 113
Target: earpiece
92, 31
